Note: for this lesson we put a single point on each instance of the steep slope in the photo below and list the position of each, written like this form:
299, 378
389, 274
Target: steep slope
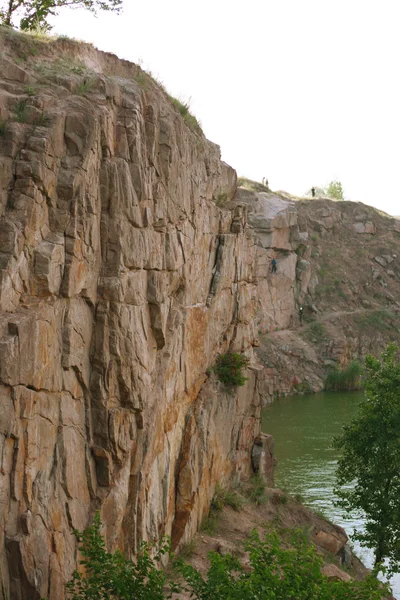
120, 281
340, 261
128, 260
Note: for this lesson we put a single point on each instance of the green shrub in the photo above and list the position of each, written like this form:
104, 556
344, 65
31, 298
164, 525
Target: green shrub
275, 573
114, 576
233, 500
335, 190
3, 128
228, 368
345, 380
223, 498
255, 489
30, 90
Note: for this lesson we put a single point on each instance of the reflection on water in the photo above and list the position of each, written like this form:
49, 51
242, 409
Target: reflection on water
303, 428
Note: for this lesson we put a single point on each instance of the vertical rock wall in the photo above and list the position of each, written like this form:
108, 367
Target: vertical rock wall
120, 281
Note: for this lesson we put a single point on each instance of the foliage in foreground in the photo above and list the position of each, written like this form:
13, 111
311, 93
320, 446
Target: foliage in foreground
114, 576
368, 473
345, 380
274, 573
228, 368
35, 13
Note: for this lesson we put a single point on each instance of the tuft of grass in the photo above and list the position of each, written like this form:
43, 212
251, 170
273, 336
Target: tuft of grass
209, 524
279, 499
184, 109
3, 128
346, 380
59, 68
42, 121
142, 79
223, 498
233, 500
218, 500
29, 90
187, 550
248, 184
84, 87
21, 114
255, 490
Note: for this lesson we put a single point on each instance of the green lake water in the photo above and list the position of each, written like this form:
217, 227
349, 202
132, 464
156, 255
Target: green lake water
303, 428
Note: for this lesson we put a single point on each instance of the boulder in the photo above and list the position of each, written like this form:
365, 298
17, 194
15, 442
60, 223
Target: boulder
333, 573
333, 543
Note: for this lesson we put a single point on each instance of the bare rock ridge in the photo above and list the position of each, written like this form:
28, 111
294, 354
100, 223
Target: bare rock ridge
128, 260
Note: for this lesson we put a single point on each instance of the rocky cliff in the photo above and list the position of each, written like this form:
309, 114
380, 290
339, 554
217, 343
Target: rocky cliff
120, 282
128, 260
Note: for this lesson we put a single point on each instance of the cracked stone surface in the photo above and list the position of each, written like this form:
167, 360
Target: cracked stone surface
120, 281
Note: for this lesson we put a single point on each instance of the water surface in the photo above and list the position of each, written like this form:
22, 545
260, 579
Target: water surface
303, 428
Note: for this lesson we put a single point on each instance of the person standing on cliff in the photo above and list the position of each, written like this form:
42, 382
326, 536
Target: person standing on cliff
313, 192
273, 265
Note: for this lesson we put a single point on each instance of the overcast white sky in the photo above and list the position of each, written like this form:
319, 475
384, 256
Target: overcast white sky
301, 92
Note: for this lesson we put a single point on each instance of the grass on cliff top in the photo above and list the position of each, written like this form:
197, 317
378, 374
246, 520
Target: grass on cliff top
26, 45
143, 78
254, 186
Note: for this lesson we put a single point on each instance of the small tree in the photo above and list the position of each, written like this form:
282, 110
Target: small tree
368, 472
335, 190
36, 12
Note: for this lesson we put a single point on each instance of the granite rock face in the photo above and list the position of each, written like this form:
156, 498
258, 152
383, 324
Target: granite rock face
120, 282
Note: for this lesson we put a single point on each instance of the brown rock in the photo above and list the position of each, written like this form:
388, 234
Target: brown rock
330, 542
333, 573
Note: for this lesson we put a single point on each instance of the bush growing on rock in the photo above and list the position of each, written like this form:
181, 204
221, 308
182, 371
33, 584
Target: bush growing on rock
274, 573
292, 572
114, 576
228, 368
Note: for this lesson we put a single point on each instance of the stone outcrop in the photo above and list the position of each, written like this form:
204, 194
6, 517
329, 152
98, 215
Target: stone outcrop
120, 282
128, 260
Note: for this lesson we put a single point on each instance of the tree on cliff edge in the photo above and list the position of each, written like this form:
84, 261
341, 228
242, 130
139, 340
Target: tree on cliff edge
34, 13
368, 473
